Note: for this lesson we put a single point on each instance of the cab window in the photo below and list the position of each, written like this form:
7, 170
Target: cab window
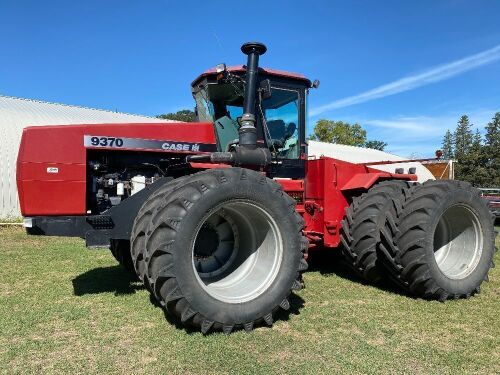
281, 112
223, 104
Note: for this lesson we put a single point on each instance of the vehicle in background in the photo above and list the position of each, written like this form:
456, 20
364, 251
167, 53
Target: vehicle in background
492, 196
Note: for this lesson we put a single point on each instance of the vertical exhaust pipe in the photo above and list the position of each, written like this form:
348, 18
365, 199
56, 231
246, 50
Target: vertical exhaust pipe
246, 153
247, 132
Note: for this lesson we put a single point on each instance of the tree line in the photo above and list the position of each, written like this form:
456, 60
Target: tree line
184, 115
478, 157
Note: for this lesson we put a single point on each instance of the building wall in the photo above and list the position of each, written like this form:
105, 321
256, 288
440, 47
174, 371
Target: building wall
17, 113
442, 170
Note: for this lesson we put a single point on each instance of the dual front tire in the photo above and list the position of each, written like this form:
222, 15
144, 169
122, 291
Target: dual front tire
222, 250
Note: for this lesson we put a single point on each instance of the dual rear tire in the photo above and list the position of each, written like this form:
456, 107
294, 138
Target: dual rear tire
435, 240
444, 244
361, 227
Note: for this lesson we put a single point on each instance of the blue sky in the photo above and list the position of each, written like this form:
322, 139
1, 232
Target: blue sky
405, 70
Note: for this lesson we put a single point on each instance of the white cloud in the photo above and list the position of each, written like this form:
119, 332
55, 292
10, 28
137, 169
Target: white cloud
432, 75
420, 135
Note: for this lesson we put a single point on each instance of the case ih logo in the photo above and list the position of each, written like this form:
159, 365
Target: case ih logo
180, 146
100, 141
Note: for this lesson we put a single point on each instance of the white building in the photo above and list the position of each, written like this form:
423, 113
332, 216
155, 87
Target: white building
17, 113
360, 155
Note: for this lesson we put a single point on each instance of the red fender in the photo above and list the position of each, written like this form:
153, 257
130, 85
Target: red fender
367, 180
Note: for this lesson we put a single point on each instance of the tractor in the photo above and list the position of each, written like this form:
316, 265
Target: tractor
217, 217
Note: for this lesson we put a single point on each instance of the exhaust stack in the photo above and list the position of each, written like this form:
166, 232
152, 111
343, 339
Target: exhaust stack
248, 132
247, 153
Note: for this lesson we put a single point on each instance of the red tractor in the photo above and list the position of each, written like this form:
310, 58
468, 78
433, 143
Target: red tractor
217, 217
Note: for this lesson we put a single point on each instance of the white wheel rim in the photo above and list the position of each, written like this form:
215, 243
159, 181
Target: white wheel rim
458, 242
246, 258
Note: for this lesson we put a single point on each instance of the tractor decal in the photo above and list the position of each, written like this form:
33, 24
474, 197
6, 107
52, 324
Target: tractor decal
100, 141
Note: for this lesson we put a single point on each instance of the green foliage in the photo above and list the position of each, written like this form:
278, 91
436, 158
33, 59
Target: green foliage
11, 220
341, 132
376, 145
493, 136
478, 162
462, 138
448, 145
492, 150
184, 115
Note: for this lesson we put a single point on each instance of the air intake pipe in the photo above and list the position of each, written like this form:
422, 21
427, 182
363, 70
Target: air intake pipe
247, 152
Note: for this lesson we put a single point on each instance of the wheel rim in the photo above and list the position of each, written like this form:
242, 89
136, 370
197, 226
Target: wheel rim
237, 251
458, 242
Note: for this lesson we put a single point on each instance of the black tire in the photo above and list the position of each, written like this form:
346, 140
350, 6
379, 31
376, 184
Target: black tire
235, 197
120, 249
435, 250
141, 222
361, 227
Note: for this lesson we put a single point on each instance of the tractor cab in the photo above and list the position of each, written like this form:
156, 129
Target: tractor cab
280, 113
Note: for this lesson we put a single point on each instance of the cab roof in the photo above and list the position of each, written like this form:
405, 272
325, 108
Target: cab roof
268, 71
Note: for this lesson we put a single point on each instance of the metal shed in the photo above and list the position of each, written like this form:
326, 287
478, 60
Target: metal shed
17, 113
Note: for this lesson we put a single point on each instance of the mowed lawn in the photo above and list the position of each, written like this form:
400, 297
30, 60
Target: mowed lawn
66, 309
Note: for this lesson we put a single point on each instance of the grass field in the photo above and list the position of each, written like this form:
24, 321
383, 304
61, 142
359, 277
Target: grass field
65, 309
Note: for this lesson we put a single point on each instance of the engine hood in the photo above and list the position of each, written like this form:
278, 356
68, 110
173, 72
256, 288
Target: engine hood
68, 143
52, 160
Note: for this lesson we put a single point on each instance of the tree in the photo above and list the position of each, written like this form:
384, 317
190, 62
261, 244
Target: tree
475, 149
478, 162
448, 145
491, 151
339, 132
376, 145
493, 135
470, 155
462, 138
184, 115
343, 133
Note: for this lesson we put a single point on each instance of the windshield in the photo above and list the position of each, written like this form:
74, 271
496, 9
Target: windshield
223, 105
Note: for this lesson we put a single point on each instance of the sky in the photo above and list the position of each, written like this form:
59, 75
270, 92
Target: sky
405, 70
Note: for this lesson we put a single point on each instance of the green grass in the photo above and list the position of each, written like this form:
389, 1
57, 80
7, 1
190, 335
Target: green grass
11, 220
65, 309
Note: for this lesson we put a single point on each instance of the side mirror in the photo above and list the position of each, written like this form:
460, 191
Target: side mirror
315, 84
265, 88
